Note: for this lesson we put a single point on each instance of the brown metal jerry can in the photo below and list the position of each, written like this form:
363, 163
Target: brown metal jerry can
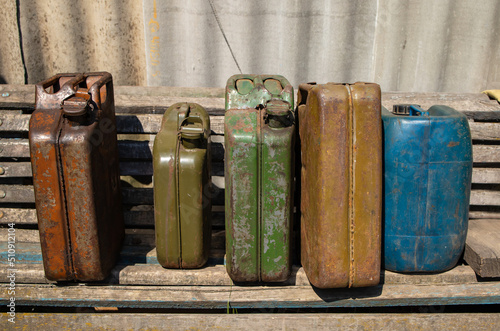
76, 177
341, 198
181, 163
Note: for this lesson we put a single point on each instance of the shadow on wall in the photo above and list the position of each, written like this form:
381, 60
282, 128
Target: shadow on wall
2, 80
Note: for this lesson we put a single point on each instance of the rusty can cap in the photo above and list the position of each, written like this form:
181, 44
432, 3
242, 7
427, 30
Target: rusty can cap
76, 105
277, 107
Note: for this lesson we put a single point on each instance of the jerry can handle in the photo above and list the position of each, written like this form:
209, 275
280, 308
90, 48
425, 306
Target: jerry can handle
409, 110
66, 91
417, 111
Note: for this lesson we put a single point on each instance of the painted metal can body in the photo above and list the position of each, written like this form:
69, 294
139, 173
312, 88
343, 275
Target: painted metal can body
341, 183
428, 169
76, 179
182, 187
259, 159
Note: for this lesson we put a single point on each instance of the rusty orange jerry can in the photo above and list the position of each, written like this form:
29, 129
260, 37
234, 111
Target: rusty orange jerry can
181, 163
341, 198
74, 157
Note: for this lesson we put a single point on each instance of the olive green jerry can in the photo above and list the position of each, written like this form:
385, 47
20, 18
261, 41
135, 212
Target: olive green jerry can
181, 169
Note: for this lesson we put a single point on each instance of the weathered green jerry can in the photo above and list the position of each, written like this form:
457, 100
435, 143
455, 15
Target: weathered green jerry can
259, 156
181, 164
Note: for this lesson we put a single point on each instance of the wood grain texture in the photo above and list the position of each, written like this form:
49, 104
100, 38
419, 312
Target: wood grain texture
261, 321
482, 248
251, 296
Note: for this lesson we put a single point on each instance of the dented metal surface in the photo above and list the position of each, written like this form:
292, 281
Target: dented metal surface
74, 157
182, 187
259, 158
427, 168
341, 183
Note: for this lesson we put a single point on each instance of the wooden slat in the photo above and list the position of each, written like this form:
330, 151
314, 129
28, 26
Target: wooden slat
485, 131
484, 198
150, 123
21, 216
137, 123
133, 237
458, 101
260, 321
475, 214
485, 175
127, 149
486, 153
145, 168
129, 98
482, 249
25, 194
252, 296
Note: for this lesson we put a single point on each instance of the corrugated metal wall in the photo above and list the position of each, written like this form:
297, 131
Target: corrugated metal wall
404, 45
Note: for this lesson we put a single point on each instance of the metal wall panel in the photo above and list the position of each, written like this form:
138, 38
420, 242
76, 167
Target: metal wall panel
405, 45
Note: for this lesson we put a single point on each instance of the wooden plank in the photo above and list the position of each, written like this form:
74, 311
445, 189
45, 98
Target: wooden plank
144, 196
476, 214
129, 98
145, 168
127, 149
133, 237
138, 265
485, 198
251, 296
458, 101
15, 169
486, 153
485, 175
14, 148
154, 274
482, 249
144, 149
260, 321
137, 123
485, 131
137, 96
131, 196
150, 123
132, 218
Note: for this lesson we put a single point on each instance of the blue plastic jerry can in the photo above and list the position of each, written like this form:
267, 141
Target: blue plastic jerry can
427, 181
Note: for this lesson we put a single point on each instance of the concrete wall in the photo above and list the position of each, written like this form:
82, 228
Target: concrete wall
405, 45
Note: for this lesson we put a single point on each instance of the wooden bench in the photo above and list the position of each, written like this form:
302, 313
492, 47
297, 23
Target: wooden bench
139, 282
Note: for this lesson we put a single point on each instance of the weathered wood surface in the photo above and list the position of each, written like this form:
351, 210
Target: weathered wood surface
138, 265
262, 321
132, 97
150, 123
482, 250
130, 195
251, 296
145, 168
138, 196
